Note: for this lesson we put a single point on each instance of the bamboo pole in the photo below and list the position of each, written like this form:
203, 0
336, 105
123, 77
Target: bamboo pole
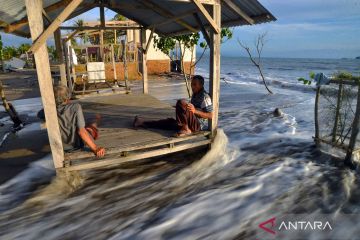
60, 57
215, 39
354, 132
337, 113
34, 13
67, 65
316, 115
113, 61
126, 74
143, 61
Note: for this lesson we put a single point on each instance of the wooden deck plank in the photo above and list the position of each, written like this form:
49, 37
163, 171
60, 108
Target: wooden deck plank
148, 154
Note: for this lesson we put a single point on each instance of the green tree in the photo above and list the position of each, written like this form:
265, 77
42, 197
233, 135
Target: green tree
187, 42
23, 48
119, 17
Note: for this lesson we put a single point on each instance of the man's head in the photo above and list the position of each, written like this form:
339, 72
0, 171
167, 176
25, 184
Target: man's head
62, 94
197, 83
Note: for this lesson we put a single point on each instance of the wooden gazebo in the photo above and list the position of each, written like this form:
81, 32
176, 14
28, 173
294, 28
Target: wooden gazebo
40, 19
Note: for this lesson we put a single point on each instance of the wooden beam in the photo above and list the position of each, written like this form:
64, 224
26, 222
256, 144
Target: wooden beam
203, 30
143, 61
71, 35
102, 16
205, 13
24, 21
55, 24
165, 13
214, 88
46, 16
84, 28
34, 12
240, 12
158, 143
149, 40
138, 156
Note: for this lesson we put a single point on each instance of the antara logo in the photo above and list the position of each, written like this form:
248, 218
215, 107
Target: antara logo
270, 225
264, 225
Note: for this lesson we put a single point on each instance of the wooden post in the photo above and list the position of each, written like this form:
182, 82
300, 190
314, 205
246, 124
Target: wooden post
67, 66
58, 47
316, 116
126, 74
102, 45
34, 13
102, 23
214, 87
72, 68
113, 61
337, 113
143, 61
63, 80
60, 57
354, 132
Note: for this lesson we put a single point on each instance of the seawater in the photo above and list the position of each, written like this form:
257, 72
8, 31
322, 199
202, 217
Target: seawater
260, 167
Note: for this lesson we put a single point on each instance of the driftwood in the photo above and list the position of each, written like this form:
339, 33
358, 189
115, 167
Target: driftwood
9, 108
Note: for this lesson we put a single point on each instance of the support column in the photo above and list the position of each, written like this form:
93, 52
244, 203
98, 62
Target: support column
214, 87
58, 47
102, 22
34, 13
102, 45
143, 61
60, 57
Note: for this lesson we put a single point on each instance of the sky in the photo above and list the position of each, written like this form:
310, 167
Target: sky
304, 29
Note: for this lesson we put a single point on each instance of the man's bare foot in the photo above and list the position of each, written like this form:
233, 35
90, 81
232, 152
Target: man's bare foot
185, 131
138, 122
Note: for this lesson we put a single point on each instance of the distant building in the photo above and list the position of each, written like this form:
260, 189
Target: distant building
109, 47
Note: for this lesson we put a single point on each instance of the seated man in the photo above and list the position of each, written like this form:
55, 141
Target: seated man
190, 117
72, 124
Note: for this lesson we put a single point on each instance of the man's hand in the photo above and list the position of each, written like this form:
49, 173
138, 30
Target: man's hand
191, 107
99, 152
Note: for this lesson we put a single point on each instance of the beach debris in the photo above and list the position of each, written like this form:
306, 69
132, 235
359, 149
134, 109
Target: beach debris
278, 113
10, 109
14, 63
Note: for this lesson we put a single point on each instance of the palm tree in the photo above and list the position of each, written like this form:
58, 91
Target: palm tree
84, 37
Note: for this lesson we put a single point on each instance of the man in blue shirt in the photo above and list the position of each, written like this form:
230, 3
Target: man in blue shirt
190, 116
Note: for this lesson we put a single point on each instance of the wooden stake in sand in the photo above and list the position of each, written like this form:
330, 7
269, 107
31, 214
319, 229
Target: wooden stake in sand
9, 108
